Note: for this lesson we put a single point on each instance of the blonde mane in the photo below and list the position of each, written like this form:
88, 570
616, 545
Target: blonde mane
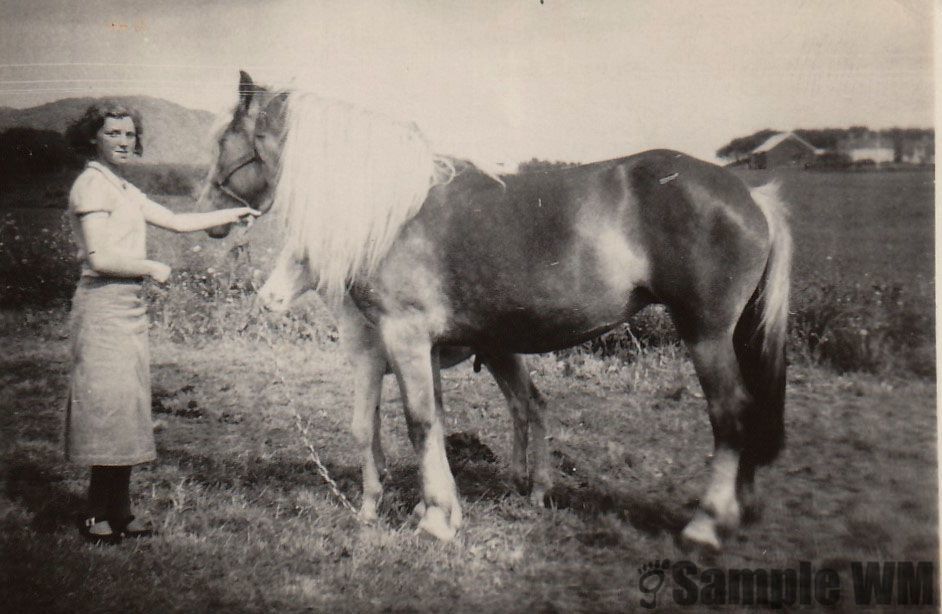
349, 179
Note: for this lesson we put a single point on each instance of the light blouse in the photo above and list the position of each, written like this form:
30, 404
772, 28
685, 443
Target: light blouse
99, 189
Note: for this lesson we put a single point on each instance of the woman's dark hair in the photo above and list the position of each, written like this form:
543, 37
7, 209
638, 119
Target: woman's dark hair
80, 133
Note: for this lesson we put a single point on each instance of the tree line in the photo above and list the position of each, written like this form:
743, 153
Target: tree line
828, 139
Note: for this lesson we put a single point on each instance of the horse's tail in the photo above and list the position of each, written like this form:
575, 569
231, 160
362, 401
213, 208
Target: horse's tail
760, 334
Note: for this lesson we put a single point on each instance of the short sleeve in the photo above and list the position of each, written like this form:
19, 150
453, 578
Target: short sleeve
91, 192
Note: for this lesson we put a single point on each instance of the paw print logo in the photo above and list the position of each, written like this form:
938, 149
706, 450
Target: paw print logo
651, 577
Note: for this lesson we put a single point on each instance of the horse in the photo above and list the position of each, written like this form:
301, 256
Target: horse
434, 252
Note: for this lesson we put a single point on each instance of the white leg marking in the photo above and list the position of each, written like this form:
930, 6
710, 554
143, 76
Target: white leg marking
369, 363
720, 498
410, 354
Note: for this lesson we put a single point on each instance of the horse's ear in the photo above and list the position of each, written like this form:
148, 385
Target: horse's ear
247, 89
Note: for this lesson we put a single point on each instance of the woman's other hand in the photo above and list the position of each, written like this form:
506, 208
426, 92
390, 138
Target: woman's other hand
160, 272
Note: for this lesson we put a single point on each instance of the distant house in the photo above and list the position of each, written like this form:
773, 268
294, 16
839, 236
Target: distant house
869, 145
918, 151
785, 149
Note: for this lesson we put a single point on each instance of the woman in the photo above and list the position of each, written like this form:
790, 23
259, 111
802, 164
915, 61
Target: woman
108, 420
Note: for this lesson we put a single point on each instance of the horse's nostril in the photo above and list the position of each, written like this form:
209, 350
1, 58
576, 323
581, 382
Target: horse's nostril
268, 302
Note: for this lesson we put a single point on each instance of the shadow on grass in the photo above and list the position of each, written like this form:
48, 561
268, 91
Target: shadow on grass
478, 477
639, 510
490, 482
40, 491
278, 473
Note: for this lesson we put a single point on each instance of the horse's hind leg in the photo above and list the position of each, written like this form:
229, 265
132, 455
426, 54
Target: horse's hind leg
527, 411
727, 398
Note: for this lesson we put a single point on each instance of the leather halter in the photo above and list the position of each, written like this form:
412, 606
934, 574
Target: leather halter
221, 184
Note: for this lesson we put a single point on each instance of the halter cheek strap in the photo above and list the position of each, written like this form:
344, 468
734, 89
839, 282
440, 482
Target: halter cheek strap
225, 190
221, 184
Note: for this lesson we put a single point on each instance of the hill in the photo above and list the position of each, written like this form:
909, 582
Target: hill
172, 133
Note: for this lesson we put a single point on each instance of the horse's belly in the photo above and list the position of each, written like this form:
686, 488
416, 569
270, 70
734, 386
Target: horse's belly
541, 305
537, 326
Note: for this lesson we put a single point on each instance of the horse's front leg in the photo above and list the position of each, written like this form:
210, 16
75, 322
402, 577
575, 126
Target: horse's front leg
368, 371
410, 355
366, 354
527, 411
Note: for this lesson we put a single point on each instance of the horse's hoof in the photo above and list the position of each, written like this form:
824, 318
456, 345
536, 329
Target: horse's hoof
434, 523
701, 533
367, 516
456, 516
729, 519
521, 483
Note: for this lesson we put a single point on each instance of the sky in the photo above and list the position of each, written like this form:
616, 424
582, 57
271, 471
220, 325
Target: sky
502, 80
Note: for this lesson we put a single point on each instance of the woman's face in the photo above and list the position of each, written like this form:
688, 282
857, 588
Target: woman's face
115, 140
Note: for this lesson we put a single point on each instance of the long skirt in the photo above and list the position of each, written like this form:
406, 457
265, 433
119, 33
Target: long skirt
108, 416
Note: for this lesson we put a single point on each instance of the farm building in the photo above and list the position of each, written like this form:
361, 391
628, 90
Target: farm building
868, 146
785, 149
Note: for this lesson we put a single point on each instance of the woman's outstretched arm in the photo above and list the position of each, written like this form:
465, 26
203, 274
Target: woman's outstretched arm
158, 215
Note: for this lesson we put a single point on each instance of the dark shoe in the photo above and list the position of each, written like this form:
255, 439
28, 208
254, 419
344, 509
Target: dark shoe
97, 531
134, 527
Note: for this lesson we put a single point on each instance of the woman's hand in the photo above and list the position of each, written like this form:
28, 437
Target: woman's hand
238, 214
159, 215
160, 272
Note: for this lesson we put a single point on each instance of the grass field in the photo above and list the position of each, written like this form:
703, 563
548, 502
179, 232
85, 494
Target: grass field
860, 227
247, 525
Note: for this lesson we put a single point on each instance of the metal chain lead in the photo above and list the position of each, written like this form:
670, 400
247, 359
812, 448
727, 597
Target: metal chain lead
298, 421
306, 440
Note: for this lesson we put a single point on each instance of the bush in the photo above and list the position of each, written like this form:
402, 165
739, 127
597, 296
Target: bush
37, 260
196, 307
652, 328
876, 328
168, 179
27, 153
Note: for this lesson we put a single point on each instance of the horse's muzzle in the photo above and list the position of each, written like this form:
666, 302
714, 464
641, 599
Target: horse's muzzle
219, 232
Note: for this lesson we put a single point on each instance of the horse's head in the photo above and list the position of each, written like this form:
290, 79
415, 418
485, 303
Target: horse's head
243, 173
